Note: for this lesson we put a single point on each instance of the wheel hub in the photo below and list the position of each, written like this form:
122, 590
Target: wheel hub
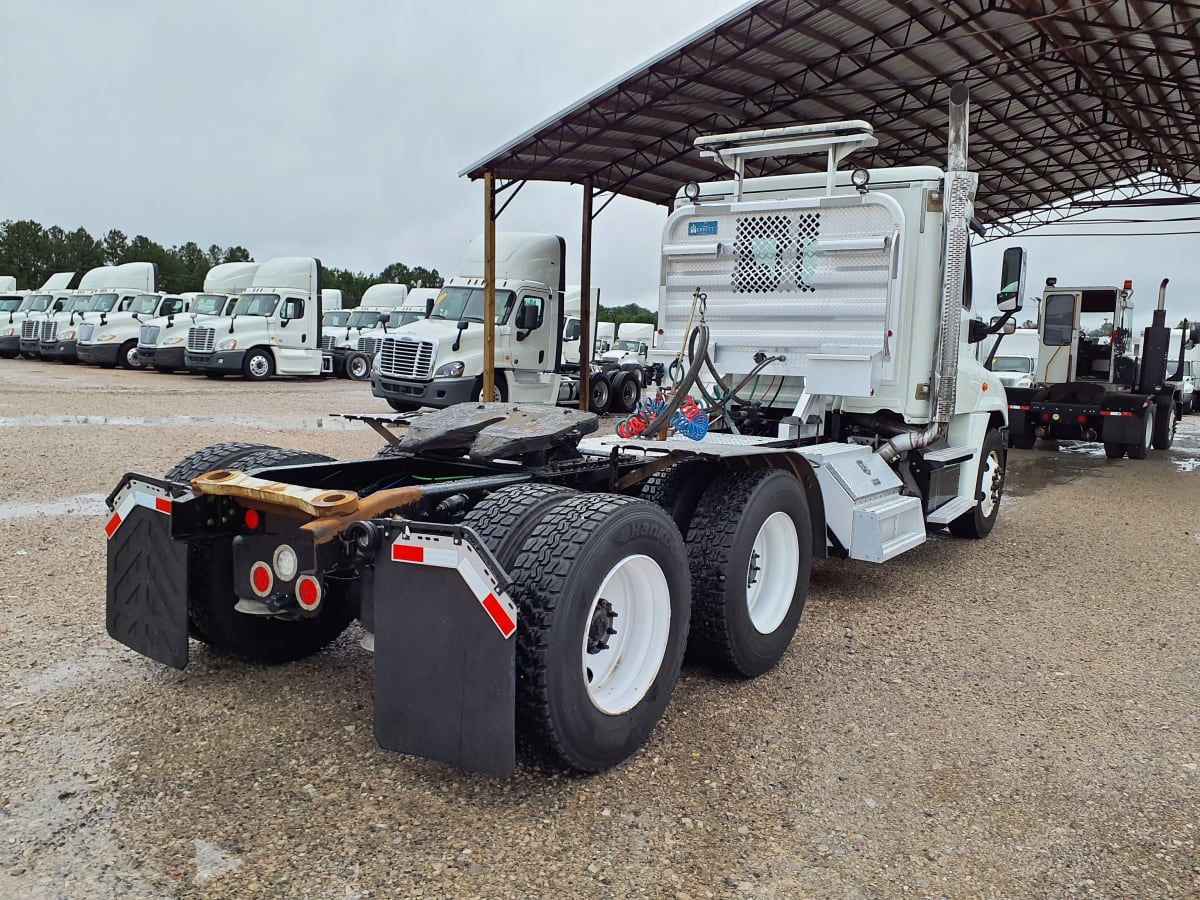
601, 628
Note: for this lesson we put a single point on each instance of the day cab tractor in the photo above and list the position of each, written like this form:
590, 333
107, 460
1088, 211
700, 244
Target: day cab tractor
1087, 384
516, 573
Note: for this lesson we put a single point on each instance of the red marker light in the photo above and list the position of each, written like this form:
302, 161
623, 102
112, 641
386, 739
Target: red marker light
308, 592
252, 518
261, 578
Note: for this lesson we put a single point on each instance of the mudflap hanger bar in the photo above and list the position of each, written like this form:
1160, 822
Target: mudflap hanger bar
445, 652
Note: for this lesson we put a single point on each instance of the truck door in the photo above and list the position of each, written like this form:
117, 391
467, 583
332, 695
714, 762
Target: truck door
534, 346
295, 335
1059, 338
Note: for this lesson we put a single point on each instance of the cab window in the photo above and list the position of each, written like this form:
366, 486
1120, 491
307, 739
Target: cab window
1058, 320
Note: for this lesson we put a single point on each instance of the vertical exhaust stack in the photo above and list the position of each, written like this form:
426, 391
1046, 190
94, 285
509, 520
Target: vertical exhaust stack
1156, 343
958, 196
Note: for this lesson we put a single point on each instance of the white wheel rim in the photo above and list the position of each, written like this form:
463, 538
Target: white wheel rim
258, 365
772, 572
618, 675
991, 490
131, 357
358, 367
600, 394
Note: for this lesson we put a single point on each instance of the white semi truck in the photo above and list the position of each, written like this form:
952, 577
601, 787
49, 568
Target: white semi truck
515, 575
630, 350
112, 339
372, 326
438, 362
275, 329
1016, 359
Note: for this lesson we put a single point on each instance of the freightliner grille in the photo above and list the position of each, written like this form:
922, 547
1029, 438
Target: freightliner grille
49, 330
407, 357
369, 345
85, 333
326, 342
201, 340
148, 335
29, 329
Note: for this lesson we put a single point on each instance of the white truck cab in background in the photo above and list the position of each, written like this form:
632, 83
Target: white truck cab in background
1015, 359
161, 341
631, 349
438, 361
21, 329
573, 324
275, 328
113, 338
341, 330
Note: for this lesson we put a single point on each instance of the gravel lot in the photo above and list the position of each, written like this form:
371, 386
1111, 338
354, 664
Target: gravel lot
1013, 717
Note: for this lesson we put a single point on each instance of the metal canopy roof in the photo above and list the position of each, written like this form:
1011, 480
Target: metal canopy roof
1066, 98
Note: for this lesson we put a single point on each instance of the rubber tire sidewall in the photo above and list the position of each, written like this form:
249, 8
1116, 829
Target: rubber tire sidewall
250, 356
588, 739
1165, 422
602, 408
352, 358
975, 524
722, 631
123, 356
1141, 449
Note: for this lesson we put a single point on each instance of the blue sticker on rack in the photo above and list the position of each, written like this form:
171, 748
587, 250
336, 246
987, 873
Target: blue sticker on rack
696, 229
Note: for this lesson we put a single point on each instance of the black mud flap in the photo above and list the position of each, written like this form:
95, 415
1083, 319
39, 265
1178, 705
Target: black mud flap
146, 603
445, 658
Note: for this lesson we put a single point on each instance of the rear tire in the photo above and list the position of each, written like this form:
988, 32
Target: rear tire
678, 489
505, 518
218, 456
745, 614
592, 685
989, 487
1022, 441
1141, 449
258, 365
211, 613
600, 393
626, 391
1166, 419
357, 366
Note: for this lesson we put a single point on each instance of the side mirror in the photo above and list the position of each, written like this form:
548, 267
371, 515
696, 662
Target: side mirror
1008, 326
463, 325
528, 319
1011, 297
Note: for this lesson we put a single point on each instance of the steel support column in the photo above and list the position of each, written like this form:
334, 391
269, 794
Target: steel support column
586, 338
489, 285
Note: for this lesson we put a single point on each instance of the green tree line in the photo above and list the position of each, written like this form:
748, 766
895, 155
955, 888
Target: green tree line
630, 312
32, 253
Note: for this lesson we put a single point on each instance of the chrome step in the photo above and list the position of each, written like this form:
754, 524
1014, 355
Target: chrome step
948, 512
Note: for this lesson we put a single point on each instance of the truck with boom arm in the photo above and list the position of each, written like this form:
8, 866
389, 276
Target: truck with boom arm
518, 573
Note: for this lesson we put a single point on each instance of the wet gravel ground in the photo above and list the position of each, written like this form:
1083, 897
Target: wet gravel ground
1013, 717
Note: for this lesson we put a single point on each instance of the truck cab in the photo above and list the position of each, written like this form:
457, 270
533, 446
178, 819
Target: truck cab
1014, 358
275, 328
341, 338
438, 361
113, 338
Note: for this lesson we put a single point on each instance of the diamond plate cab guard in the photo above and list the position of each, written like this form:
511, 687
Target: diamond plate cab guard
146, 600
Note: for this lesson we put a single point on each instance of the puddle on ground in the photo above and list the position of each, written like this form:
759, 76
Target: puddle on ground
83, 505
1051, 463
282, 423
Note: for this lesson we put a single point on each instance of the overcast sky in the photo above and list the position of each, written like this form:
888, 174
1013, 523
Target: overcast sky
337, 130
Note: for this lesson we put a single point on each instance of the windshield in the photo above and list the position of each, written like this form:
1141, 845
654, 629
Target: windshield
208, 304
626, 345
10, 304
466, 303
364, 318
335, 318
401, 317
77, 303
37, 302
144, 303
256, 305
1021, 364
102, 302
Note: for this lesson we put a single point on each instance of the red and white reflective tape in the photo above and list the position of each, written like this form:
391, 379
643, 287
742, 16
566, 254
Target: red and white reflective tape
1113, 412
1022, 408
436, 550
128, 502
